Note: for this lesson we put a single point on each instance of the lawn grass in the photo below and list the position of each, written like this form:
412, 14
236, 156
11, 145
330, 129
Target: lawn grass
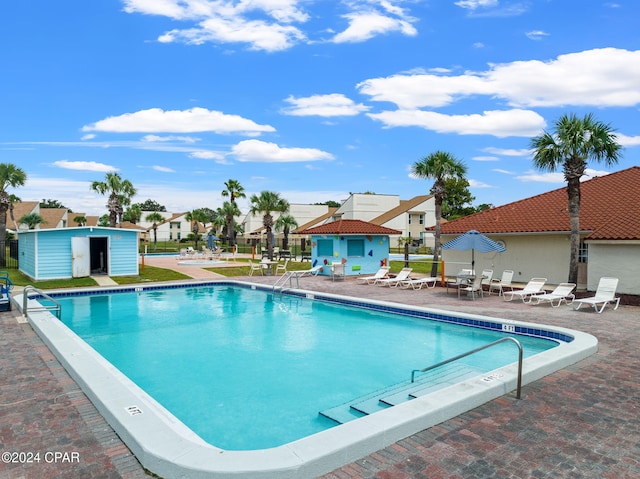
151, 274
19, 279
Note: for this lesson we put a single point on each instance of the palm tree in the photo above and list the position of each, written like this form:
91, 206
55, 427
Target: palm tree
10, 175
572, 142
233, 189
31, 220
227, 213
155, 218
81, 220
120, 193
133, 213
196, 217
285, 223
264, 204
439, 166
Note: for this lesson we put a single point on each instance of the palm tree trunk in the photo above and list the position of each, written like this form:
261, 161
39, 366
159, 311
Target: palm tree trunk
573, 192
436, 242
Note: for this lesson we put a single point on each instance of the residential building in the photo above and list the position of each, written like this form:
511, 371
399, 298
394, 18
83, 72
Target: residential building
536, 233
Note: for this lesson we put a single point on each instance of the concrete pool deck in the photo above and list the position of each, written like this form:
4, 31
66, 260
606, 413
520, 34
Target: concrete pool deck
578, 422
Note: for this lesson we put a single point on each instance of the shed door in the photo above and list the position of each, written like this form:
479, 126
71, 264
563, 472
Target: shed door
80, 257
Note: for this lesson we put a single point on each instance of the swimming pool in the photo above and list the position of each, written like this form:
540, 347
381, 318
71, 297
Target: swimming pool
248, 369
166, 446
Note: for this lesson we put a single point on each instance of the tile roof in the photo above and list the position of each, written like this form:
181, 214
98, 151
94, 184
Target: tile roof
350, 227
609, 210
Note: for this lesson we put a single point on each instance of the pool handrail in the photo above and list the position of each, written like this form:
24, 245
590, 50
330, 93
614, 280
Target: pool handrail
473, 351
25, 300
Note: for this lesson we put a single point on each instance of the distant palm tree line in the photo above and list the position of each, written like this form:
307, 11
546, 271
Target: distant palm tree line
568, 147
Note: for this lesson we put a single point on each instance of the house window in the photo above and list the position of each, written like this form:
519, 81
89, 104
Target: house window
583, 253
410, 218
355, 247
325, 247
421, 219
170, 234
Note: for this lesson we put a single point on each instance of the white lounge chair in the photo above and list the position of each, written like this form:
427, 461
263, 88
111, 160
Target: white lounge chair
403, 275
563, 292
307, 272
605, 294
474, 289
418, 283
380, 274
502, 283
533, 287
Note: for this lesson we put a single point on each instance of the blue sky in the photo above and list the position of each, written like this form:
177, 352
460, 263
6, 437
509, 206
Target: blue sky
312, 99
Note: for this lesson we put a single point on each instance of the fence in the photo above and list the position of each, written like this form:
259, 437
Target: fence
9, 254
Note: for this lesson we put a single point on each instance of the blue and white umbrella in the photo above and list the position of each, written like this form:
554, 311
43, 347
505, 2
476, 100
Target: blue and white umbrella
473, 240
210, 240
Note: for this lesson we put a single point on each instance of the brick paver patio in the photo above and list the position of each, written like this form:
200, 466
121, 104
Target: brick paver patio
581, 422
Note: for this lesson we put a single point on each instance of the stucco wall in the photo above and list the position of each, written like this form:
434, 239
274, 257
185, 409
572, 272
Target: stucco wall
532, 256
620, 261
376, 251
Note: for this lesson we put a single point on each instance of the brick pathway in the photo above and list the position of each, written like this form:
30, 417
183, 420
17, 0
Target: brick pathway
581, 422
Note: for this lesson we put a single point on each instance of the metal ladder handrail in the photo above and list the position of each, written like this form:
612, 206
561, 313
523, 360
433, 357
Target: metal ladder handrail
287, 276
25, 300
481, 348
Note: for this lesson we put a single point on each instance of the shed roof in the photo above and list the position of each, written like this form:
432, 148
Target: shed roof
405, 206
609, 210
350, 227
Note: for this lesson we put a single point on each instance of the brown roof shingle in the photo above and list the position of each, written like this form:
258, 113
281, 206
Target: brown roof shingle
350, 227
609, 209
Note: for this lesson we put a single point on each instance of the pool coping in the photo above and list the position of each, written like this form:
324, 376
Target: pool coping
165, 446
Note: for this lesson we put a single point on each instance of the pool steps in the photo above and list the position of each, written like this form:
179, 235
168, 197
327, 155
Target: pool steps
402, 392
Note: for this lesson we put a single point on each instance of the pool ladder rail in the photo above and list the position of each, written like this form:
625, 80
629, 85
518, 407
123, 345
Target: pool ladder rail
38, 294
286, 277
436, 377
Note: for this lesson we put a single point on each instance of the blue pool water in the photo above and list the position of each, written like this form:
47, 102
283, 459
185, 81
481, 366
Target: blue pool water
247, 369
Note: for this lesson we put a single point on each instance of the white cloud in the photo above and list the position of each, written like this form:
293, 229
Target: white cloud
536, 34
599, 77
485, 158
625, 140
269, 25
497, 123
163, 169
558, 177
159, 139
335, 104
206, 155
89, 136
84, 166
264, 152
478, 184
474, 4
504, 172
366, 25
507, 151
156, 120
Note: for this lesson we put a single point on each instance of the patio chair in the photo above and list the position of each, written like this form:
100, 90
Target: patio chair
605, 294
403, 275
282, 267
459, 280
533, 287
380, 274
256, 267
474, 289
563, 292
487, 276
418, 283
502, 283
337, 270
